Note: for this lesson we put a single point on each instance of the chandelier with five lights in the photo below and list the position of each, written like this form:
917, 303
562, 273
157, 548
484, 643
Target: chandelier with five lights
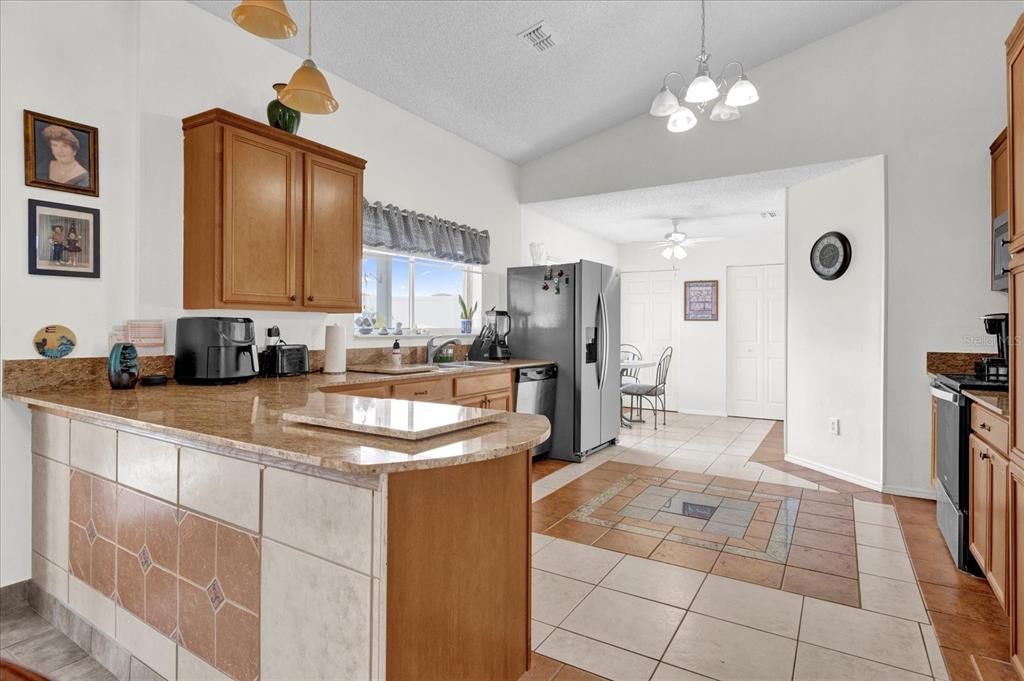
702, 92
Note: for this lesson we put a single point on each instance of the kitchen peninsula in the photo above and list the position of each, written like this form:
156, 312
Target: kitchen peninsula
226, 542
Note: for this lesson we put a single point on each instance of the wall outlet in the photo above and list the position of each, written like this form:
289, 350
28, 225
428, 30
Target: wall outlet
833, 426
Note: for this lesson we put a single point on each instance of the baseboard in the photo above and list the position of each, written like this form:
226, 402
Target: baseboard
14, 595
916, 492
834, 472
703, 412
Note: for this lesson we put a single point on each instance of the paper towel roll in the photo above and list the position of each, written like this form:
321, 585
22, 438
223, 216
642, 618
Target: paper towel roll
334, 350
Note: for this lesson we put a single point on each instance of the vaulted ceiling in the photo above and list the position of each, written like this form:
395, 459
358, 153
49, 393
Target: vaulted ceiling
462, 66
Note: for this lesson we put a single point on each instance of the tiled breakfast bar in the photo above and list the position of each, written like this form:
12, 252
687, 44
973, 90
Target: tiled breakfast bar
201, 533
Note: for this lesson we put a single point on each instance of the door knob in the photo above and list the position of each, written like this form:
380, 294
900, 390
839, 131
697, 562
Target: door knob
292, 297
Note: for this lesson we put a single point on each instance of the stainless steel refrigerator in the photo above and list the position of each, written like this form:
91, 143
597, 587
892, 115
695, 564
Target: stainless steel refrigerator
570, 314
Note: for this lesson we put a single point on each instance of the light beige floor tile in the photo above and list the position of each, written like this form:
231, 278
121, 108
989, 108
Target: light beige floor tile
892, 597
783, 478
538, 492
884, 563
771, 610
554, 596
596, 657
738, 472
539, 541
931, 644
889, 640
655, 580
666, 672
538, 632
626, 621
880, 537
579, 561
818, 664
640, 457
730, 652
874, 514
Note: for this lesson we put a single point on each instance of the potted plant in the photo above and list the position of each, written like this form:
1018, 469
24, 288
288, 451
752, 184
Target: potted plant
466, 316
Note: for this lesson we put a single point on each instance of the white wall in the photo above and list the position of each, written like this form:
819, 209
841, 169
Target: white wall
923, 84
699, 361
143, 67
834, 330
563, 242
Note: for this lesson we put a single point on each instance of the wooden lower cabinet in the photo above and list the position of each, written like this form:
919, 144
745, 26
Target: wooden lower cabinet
998, 567
484, 391
981, 500
1016, 601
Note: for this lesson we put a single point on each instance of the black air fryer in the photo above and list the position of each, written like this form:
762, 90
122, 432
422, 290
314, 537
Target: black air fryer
215, 350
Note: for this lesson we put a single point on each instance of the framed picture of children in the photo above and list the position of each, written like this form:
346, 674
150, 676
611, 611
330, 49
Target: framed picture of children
61, 154
63, 240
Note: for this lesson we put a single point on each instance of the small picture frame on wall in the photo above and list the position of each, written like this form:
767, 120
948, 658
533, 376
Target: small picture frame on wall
700, 301
63, 240
61, 154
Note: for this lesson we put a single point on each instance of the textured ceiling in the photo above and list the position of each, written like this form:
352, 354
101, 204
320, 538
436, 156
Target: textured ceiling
461, 65
728, 207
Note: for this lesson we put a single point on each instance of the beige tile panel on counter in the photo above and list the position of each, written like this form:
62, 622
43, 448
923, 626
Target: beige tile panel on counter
245, 421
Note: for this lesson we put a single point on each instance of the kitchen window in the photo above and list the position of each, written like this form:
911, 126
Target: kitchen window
419, 293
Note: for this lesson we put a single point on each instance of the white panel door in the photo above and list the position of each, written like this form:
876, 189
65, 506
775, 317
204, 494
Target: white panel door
649, 319
756, 341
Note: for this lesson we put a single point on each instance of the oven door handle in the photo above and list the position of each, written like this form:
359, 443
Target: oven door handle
946, 396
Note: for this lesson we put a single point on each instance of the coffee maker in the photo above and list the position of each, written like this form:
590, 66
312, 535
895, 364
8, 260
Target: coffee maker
996, 369
492, 341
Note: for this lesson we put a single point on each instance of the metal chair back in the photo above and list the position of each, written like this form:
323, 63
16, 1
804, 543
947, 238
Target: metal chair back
630, 353
661, 378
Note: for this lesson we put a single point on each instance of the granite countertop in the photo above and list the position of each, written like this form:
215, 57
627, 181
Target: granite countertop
996, 401
245, 419
334, 382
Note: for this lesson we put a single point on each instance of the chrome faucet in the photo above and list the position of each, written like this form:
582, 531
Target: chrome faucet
432, 350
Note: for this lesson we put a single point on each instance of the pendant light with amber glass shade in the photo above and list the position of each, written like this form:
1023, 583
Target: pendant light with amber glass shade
308, 90
265, 18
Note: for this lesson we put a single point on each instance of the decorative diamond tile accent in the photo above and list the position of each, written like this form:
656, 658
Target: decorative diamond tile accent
90, 531
216, 594
145, 560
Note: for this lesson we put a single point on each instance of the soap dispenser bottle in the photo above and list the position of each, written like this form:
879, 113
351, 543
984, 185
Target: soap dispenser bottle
396, 354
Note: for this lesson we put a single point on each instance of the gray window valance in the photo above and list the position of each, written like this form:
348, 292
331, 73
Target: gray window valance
405, 231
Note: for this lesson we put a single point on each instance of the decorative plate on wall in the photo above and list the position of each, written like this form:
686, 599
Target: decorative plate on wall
830, 255
54, 341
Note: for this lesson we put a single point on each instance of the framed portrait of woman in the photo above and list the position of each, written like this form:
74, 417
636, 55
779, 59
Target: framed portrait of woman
63, 240
61, 154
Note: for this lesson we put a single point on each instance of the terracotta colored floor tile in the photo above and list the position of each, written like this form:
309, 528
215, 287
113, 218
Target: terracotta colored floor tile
843, 486
765, 513
542, 668
959, 665
542, 521
616, 503
828, 541
543, 467
943, 572
685, 555
628, 542
555, 505
923, 533
618, 466
634, 489
574, 674
830, 510
915, 515
734, 483
781, 490
972, 636
824, 524
751, 570
823, 586
648, 525
699, 534
841, 564
828, 497
759, 529
606, 474
687, 476
749, 543
927, 551
994, 670
574, 530
973, 605
603, 514
655, 472
874, 497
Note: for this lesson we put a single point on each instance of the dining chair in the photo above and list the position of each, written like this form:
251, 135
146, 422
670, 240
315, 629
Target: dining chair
628, 376
654, 393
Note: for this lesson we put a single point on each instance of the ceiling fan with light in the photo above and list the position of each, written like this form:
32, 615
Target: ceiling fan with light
675, 243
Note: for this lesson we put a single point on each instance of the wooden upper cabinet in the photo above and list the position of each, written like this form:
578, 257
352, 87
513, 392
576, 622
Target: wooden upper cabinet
272, 221
262, 189
1015, 133
1000, 175
333, 231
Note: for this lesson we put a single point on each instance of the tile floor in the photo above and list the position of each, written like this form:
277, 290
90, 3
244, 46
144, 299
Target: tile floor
696, 552
26, 638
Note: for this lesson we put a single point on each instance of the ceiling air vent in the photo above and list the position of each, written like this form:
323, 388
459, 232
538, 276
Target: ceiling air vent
769, 214
539, 36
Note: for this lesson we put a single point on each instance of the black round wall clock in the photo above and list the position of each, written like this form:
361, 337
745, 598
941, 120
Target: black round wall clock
830, 255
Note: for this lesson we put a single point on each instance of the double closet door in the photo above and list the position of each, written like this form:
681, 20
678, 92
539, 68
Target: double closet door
756, 341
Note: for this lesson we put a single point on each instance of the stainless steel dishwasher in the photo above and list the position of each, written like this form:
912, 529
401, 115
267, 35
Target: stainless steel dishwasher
535, 394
